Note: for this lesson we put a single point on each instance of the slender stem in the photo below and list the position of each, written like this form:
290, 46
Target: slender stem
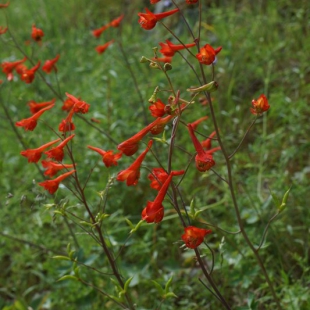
246, 133
266, 229
210, 280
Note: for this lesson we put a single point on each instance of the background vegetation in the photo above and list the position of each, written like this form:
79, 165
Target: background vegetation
265, 50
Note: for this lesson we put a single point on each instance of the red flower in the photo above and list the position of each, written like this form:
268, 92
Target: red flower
132, 174
67, 124
3, 30
97, 32
131, 146
198, 121
101, 48
53, 168
157, 178
67, 104
154, 1
35, 107
79, 105
8, 67
49, 65
37, 34
164, 59
207, 54
193, 236
206, 144
154, 210
170, 49
157, 108
31, 122
52, 185
108, 158
116, 22
148, 20
57, 152
204, 160
34, 155
4, 5
160, 126
28, 75
260, 105
191, 1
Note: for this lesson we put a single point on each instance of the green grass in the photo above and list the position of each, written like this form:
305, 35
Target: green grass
264, 51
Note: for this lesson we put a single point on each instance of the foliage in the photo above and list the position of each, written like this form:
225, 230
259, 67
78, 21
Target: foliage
264, 51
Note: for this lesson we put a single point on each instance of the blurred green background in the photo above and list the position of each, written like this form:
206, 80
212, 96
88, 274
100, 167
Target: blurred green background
265, 50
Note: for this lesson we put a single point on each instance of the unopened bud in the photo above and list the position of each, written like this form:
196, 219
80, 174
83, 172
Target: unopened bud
154, 96
167, 66
210, 87
143, 59
154, 65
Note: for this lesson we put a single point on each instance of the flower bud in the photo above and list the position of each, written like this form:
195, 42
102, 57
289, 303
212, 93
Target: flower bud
210, 87
167, 66
143, 59
154, 65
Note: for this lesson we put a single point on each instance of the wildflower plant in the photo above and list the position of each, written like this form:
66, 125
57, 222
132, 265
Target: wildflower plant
169, 149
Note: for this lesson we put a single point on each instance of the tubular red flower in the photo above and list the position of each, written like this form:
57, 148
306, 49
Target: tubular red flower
207, 54
57, 152
170, 49
37, 34
193, 236
154, 210
198, 121
31, 122
101, 48
8, 67
28, 75
3, 30
206, 144
34, 155
4, 5
191, 1
108, 158
160, 126
204, 160
67, 104
35, 107
164, 59
154, 1
157, 178
132, 174
97, 32
52, 185
131, 145
157, 108
53, 168
67, 124
260, 105
116, 22
148, 20
79, 105
49, 65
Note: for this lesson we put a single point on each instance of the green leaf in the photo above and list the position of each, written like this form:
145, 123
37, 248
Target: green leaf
68, 277
170, 294
167, 286
159, 288
60, 257
127, 284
